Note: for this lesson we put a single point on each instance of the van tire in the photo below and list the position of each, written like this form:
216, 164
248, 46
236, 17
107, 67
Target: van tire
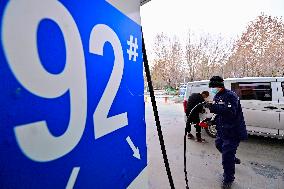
211, 131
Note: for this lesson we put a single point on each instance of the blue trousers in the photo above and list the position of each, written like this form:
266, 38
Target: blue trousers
228, 148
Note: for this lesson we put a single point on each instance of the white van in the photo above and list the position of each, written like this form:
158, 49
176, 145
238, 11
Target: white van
262, 100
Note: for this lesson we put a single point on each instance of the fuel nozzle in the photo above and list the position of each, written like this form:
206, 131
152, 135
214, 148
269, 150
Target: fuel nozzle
207, 121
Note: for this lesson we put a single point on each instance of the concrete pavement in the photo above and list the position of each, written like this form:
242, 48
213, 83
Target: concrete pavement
262, 158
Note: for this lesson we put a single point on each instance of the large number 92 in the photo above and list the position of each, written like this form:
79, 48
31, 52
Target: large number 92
20, 48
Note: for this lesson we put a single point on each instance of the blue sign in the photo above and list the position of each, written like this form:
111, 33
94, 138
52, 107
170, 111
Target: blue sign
182, 90
72, 111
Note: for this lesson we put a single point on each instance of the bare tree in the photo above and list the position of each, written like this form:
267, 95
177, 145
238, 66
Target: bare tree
190, 56
159, 69
159, 74
167, 62
194, 56
218, 52
175, 63
259, 52
206, 55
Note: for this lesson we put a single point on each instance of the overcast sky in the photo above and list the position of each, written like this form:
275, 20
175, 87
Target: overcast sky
227, 17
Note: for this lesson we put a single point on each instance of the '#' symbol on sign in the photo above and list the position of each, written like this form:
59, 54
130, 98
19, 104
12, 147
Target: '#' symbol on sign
133, 46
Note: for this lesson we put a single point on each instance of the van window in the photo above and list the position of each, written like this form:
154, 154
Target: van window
282, 87
253, 91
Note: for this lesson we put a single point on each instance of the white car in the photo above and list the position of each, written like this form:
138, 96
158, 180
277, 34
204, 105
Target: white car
262, 100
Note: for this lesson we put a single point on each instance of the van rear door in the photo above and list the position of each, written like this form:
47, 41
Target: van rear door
280, 92
185, 97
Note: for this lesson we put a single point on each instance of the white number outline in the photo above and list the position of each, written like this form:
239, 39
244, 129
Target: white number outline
103, 124
34, 139
20, 48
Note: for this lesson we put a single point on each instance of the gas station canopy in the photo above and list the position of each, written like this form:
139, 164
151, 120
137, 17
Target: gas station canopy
142, 2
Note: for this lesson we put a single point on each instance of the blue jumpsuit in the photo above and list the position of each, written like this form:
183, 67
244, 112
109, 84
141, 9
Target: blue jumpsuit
231, 129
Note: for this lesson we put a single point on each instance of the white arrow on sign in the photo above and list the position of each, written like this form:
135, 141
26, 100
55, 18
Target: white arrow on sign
135, 150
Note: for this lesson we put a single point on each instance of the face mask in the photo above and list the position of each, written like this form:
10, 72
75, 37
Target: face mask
214, 91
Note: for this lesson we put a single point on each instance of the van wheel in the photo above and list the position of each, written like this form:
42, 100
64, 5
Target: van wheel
211, 131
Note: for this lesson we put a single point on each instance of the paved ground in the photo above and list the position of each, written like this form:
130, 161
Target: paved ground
262, 158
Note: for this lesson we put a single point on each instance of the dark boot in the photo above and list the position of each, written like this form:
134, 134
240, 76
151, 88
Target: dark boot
198, 137
227, 185
190, 136
237, 161
200, 140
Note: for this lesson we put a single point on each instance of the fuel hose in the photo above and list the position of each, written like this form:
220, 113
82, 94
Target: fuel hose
155, 110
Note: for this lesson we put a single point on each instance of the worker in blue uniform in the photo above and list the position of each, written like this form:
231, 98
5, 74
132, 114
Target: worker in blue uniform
230, 125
